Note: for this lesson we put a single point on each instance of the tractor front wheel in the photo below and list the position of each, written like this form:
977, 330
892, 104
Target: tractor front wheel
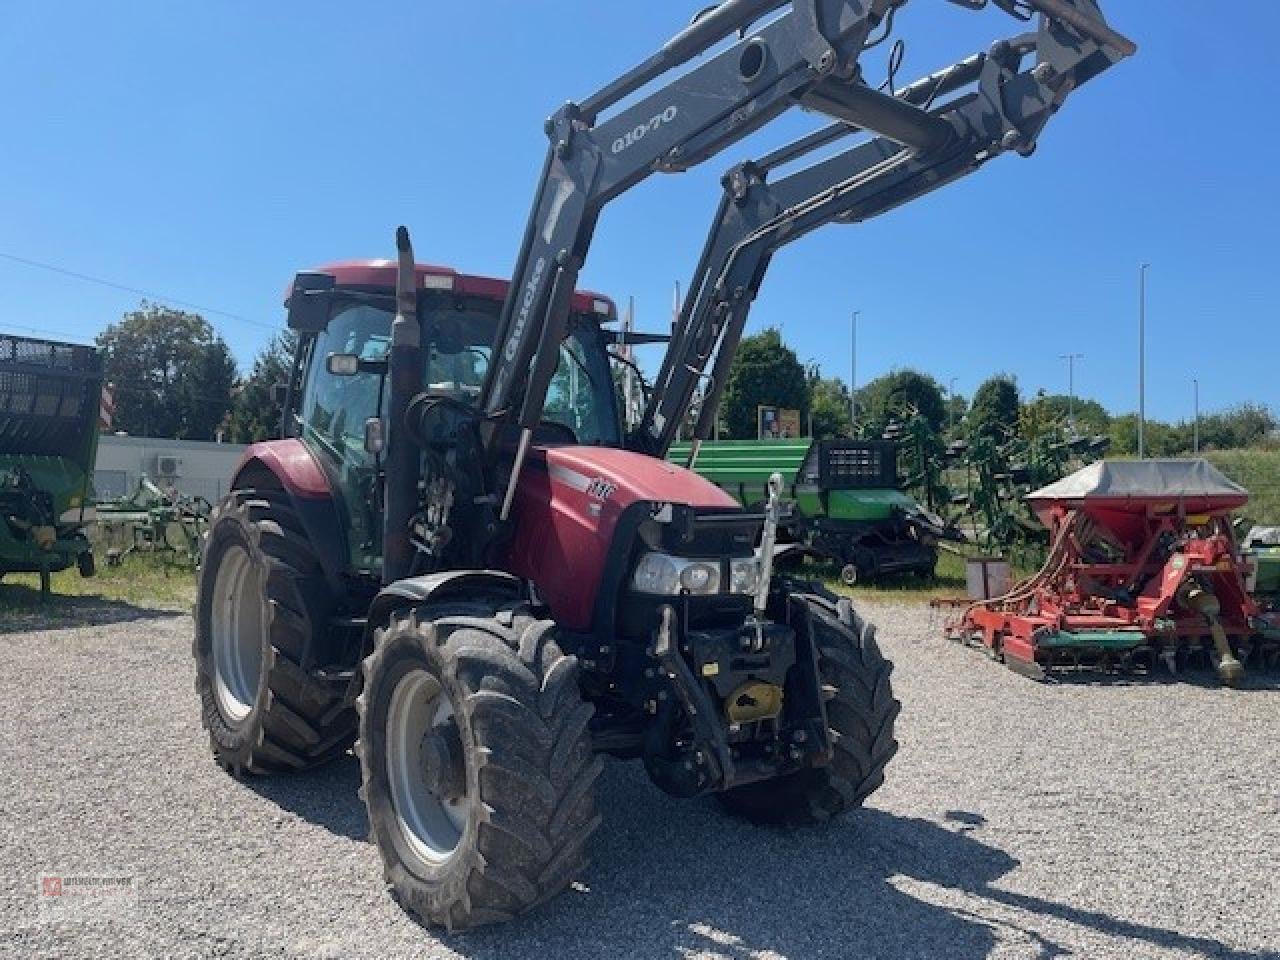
477, 766
261, 606
861, 711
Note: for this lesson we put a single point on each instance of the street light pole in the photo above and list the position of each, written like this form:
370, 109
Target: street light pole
1195, 433
1142, 360
853, 371
1071, 359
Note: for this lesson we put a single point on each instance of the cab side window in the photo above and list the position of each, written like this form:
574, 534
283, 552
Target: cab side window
334, 409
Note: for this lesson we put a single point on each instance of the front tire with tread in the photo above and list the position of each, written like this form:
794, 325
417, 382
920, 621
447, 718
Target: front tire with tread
861, 711
526, 756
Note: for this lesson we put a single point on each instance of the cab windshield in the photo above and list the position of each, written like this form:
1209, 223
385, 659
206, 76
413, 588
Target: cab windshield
458, 344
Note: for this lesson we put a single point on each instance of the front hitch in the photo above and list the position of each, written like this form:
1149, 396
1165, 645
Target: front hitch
700, 771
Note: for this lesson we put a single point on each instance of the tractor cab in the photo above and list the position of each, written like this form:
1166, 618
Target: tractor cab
338, 398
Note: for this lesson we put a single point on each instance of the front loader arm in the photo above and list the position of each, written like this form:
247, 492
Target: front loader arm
591, 160
806, 56
1003, 99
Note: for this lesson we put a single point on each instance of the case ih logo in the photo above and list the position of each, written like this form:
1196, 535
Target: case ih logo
600, 489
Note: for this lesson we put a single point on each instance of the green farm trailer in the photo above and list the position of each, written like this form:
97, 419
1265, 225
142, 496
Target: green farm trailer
50, 401
843, 498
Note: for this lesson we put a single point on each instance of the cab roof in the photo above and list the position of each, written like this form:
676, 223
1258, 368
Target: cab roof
382, 273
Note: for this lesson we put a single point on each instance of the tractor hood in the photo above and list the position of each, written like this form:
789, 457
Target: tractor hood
605, 473
569, 505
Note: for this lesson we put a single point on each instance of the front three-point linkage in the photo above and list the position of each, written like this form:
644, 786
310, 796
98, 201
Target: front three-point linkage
976, 109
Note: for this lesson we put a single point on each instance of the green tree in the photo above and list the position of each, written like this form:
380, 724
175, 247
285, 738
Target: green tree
829, 406
899, 396
173, 373
1247, 425
1161, 439
957, 409
1090, 416
255, 415
995, 408
765, 372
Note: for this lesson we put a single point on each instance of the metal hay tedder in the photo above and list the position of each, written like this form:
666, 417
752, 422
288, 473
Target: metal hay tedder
153, 520
1143, 567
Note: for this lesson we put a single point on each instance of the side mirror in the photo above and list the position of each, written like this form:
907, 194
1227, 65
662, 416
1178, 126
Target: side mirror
375, 440
349, 364
309, 302
342, 364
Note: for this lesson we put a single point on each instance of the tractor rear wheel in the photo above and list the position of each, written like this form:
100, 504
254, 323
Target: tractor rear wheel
861, 711
477, 766
261, 605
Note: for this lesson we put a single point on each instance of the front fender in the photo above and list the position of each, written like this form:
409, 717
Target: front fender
448, 584
289, 465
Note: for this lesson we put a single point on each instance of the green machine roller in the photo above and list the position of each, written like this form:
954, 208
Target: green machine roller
844, 501
50, 398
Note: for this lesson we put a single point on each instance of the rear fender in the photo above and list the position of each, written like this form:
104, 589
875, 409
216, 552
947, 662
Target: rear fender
289, 466
446, 585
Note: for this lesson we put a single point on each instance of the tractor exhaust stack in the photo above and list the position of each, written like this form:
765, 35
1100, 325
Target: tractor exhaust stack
400, 468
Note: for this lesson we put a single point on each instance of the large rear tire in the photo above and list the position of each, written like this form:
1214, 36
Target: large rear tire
861, 711
478, 770
261, 605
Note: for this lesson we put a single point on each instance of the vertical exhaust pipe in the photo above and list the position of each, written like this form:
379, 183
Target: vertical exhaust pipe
402, 462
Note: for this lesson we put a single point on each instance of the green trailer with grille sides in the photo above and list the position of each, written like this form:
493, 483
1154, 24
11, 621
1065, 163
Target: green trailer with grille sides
50, 402
843, 499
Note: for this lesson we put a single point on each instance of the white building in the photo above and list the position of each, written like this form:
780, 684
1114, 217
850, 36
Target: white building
193, 467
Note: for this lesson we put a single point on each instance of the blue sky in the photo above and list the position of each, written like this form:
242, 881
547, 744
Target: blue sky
206, 151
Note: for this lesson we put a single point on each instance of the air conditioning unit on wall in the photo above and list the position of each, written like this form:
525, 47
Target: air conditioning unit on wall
167, 468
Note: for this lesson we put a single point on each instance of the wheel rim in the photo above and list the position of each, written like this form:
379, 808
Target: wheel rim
425, 768
237, 632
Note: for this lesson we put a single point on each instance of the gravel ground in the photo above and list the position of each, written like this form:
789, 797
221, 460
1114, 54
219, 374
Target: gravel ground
1100, 819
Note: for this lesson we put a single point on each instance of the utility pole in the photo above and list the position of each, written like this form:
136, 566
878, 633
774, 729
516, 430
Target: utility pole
1142, 360
1195, 430
1071, 359
951, 404
853, 371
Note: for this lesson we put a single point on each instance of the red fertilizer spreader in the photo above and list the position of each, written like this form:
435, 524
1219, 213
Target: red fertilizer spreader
1143, 568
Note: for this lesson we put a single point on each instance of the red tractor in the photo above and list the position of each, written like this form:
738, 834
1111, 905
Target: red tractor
458, 560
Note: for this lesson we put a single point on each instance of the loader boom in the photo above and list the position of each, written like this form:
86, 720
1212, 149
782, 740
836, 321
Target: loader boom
807, 56
1002, 101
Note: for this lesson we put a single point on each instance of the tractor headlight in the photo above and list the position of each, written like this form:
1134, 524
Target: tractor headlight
744, 575
662, 574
